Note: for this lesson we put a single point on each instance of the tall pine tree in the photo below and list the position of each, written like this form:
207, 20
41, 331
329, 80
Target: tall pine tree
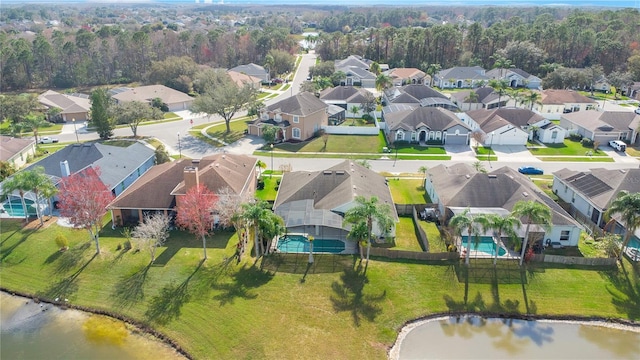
99, 113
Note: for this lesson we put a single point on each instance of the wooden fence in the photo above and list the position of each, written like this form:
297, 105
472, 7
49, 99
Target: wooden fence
422, 235
413, 255
574, 260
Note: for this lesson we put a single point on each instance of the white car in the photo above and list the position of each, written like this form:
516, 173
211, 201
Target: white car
47, 140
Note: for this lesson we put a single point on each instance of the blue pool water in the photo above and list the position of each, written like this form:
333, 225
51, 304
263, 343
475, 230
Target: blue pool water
634, 243
14, 207
299, 243
485, 244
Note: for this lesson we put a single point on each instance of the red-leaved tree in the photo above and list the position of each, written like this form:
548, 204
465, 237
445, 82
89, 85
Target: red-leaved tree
84, 199
194, 212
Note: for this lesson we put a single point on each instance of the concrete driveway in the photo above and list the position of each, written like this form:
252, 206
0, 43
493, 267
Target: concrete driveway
514, 153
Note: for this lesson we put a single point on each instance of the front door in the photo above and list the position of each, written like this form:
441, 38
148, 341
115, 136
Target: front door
422, 136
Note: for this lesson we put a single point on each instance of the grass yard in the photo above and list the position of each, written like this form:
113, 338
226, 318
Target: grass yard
357, 122
220, 309
633, 151
270, 191
577, 159
335, 144
408, 191
545, 182
220, 132
406, 238
436, 242
485, 154
417, 149
568, 148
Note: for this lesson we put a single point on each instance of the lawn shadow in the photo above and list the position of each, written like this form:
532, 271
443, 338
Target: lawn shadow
242, 282
167, 305
70, 258
298, 263
67, 287
348, 295
625, 294
9, 249
130, 288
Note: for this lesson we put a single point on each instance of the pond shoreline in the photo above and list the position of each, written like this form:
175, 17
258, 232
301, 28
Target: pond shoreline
137, 324
394, 351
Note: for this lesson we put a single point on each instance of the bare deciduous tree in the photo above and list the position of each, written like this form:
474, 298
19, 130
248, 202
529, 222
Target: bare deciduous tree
228, 207
151, 233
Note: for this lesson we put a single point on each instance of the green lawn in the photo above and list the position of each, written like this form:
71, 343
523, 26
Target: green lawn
337, 144
357, 122
436, 243
408, 191
406, 238
220, 309
485, 154
568, 148
417, 149
220, 131
270, 191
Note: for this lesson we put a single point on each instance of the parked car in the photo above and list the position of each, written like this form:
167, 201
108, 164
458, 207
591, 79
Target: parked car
277, 81
530, 170
638, 110
618, 145
47, 140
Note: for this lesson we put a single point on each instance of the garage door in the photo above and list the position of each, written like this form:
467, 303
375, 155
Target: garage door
456, 140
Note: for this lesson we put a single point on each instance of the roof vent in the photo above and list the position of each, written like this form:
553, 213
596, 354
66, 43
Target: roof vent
339, 172
492, 176
525, 194
467, 176
327, 172
623, 171
195, 161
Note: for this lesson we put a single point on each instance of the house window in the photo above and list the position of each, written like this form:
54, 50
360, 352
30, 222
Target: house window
296, 133
265, 116
399, 135
296, 119
438, 135
413, 136
564, 235
431, 135
554, 134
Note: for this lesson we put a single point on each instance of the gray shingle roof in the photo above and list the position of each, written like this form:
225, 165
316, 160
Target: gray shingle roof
434, 118
601, 186
302, 104
10, 146
329, 189
461, 185
470, 72
493, 119
349, 94
595, 120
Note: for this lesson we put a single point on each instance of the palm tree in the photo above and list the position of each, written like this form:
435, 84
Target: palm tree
354, 110
472, 97
533, 98
461, 222
261, 166
370, 210
500, 225
423, 169
383, 82
534, 213
627, 205
251, 214
40, 183
359, 232
431, 70
20, 182
500, 86
31, 123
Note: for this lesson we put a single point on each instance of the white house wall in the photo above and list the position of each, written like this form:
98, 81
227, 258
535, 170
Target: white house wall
545, 135
502, 136
556, 232
569, 195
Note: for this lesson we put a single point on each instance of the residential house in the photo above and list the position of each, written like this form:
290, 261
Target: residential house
241, 80
355, 76
169, 181
314, 202
16, 151
485, 98
602, 84
633, 91
603, 126
512, 126
516, 78
590, 193
72, 106
346, 97
174, 99
460, 77
417, 95
358, 62
459, 187
255, 71
426, 125
406, 76
556, 102
298, 117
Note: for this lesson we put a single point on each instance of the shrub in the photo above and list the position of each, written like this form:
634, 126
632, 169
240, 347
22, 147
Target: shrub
586, 142
575, 137
278, 181
260, 185
368, 118
62, 242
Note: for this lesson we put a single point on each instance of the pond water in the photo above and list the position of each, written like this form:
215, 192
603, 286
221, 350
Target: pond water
472, 337
31, 331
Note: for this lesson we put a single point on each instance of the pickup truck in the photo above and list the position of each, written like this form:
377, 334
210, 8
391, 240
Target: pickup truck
47, 140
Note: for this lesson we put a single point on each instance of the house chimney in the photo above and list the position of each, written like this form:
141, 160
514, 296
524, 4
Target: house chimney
64, 168
191, 177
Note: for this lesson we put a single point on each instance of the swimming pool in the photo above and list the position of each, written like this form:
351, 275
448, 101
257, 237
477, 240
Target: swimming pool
485, 245
14, 207
300, 244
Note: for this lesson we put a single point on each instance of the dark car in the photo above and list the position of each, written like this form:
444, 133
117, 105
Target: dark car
530, 170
